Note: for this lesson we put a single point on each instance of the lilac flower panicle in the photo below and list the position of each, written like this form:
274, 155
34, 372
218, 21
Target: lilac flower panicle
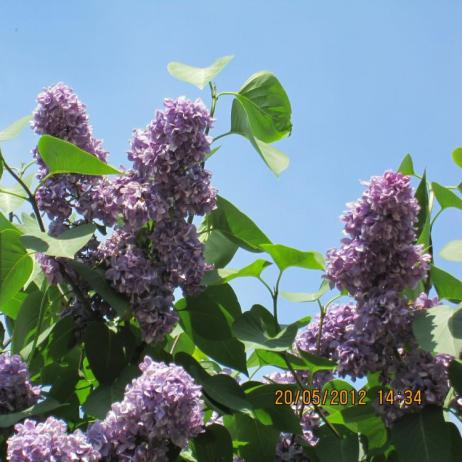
160, 407
60, 113
49, 442
143, 281
16, 390
182, 254
379, 251
337, 323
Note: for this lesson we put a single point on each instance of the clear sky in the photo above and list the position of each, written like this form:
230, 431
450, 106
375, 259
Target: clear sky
368, 82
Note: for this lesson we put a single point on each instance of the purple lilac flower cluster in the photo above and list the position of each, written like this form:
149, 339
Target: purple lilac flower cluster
142, 281
16, 390
61, 114
162, 407
168, 185
48, 441
379, 253
377, 260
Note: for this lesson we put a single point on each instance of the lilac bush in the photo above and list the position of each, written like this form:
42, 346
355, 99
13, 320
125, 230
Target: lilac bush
138, 248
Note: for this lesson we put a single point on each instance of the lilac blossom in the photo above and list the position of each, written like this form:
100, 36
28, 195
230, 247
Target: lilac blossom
61, 114
48, 441
181, 252
379, 251
159, 408
16, 391
142, 280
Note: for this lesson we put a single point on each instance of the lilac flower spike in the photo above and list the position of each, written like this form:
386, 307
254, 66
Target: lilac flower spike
61, 114
48, 441
379, 251
162, 407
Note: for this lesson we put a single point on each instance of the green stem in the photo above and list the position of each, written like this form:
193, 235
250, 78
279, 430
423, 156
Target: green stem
435, 217
222, 136
322, 314
275, 297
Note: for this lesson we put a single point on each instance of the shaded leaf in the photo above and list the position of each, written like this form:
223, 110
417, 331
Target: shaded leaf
221, 276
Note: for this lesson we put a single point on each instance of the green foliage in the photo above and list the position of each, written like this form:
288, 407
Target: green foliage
422, 437
214, 444
15, 265
13, 130
65, 245
285, 257
236, 226
457, 156
447, 286
452, 251
439, 330
263, 102
198, 76
407, 166
220, 276
63, 157
257, 328
446, 197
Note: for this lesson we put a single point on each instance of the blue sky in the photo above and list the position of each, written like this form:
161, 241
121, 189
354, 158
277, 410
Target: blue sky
368, 82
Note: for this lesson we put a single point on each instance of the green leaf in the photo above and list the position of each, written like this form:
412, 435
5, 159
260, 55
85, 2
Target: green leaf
257, 328
220, 387
302, 297
330, 448
221, 276
6, 224
421, 195
198, 76
275, 159
213, 445
211, 313
65, 245
446, 286
455, 375
285, 257
407, 166
258, 441
8, 420
362, 419
452, 251
15, 265
317, 363
439, 330
218, 249
266, 106
236, 226
262, 396
272, 358
100, 400
63, 157
457, 156
422, 436
96, 279
104, 350
220, 302
446, 197
26, 320
13, 130
12, 306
